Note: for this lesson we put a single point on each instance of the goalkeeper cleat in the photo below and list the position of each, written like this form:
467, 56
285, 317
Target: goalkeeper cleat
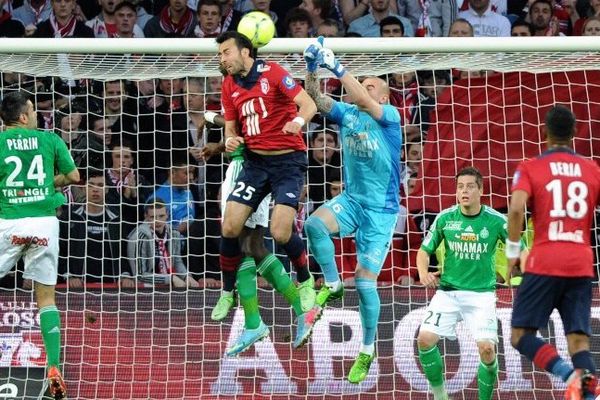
224, 304
360, 368
306, 291
56, 384
306, 323
247, 339
326, 295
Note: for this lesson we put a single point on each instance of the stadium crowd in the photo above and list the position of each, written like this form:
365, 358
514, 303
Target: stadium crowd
147, 209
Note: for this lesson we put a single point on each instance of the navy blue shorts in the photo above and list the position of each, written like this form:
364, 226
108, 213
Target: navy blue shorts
281, 175
539, 295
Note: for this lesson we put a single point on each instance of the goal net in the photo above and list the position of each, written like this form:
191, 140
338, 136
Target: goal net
131, 112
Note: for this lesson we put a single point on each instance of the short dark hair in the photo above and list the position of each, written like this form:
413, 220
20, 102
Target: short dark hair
209, 3
522, 22
324, 5
154, 203
241, 41
13, 105
471, 171
390, 20
126, 4
297, 14
560, 123
548, 2
94, 173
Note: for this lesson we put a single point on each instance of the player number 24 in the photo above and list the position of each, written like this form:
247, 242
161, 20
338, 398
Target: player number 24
35, 172
576, 206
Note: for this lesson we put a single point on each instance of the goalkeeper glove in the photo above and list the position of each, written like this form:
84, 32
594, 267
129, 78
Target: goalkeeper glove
329, 61
311, 56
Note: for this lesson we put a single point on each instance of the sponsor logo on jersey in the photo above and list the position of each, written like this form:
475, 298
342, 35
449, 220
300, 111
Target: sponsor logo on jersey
291, 195
289, 82
235, 94
516, 177
263, 68
264, 85
453, 226
468, 251
484, 233
469, 229
28, 240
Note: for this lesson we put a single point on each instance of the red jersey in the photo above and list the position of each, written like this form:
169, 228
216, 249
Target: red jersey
563, 189
263, 102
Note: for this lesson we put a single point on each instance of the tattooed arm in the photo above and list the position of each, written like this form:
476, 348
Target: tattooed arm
313, 88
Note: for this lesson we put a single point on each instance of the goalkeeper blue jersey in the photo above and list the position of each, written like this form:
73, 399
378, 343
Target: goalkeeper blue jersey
371, 153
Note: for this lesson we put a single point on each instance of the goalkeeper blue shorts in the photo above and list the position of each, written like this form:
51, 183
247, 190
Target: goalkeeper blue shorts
372, 229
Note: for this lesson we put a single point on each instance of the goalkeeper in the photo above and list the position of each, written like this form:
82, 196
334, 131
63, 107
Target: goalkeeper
372, 138
258, 259
470, 232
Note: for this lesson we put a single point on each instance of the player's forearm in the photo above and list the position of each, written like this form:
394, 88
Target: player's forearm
422, 263
313, 88
61, 180
357, 92
515, 222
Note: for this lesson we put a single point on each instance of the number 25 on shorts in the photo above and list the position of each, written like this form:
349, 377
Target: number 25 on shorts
243, 191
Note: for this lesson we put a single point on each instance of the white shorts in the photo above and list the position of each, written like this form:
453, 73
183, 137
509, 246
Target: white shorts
261, 215
36, 240
476, 309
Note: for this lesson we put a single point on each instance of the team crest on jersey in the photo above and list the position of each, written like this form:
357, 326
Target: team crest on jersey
289, 82
484, 233
264, 85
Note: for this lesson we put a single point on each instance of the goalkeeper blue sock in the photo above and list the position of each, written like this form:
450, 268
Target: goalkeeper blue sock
369, 307
321, 247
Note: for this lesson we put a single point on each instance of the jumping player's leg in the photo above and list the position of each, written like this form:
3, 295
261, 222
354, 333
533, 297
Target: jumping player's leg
373, 239
41, 266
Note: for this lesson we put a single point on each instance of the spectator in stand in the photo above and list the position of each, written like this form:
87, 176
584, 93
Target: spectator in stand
591, 27
391, 27
328, 28
413, 158
461, 28
69, 124
177, 196
154, 250
142, 15
127, 190
484, 20
126, 21
431, 84
545, 23
209, 19
521, 28
119, 111
324, 159
90, 148
105, 23
31, 13
298, 23
63, 22
412, 10
592, 10
9, 27
174, 20
441, 15
265, 7
368, 25
102, 236
230, 16
213, 95
353, 9
318, 10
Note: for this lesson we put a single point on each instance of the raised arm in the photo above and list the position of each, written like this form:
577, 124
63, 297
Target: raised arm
313, 88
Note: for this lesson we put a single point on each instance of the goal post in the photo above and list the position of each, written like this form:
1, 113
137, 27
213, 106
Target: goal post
484, 107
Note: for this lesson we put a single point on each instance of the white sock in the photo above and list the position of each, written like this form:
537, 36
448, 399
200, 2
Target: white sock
439, 393
367, 348
334, 286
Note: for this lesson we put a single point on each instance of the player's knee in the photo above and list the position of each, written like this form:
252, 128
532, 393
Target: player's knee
426, 340
364, 273
231, 228
281, 233
315, 228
